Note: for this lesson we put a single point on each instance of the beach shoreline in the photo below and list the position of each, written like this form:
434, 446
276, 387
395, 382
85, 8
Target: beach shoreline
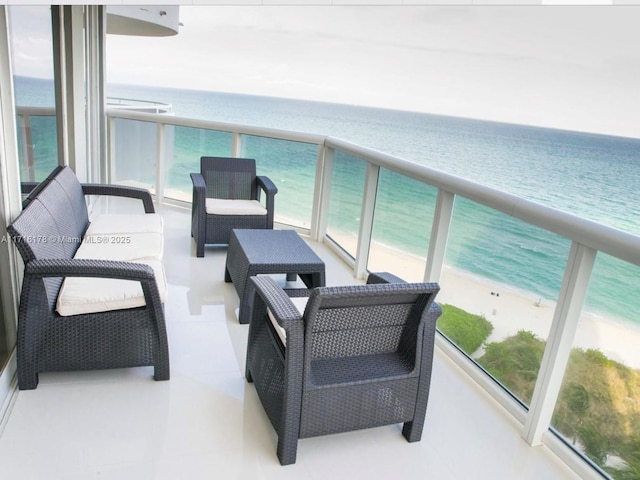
507, 308
510, 311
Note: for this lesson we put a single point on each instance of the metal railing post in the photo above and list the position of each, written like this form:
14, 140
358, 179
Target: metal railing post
236, 145
322, 193
160, 166
111, 150
439, 235
366, 219
560, 341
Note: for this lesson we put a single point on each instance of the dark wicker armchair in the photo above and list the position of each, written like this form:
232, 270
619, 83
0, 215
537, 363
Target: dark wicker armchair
360, 356
226, 195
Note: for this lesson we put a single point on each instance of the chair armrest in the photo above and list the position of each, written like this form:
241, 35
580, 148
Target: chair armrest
121, 191
199, 187
383, 277
74, 267
198, 181
434, 311
266, 185
270, 191
28, 190
27, 187
276, 300
198, 202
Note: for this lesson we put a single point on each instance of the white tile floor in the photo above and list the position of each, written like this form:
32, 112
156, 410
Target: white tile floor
206, 422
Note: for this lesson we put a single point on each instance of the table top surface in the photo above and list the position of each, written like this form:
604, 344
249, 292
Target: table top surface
275, 246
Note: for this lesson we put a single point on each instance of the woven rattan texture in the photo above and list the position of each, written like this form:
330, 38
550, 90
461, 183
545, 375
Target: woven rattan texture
360, 356
47, 234
227, 178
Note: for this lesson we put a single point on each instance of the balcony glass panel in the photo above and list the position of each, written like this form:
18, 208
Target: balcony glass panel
34, 91
135, 153
184, 147
598, 409
402, 225
291, 166
37, 145
345, 201
503, 277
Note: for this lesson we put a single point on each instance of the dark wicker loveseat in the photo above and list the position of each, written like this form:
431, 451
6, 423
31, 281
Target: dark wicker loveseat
359, 356
49, 233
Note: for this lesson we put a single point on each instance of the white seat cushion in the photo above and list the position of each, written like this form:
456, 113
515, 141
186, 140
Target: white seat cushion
80, 295
122, 246
218, 206
300, 303
105, 224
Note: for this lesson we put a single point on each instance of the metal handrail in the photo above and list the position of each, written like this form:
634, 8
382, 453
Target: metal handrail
610, 240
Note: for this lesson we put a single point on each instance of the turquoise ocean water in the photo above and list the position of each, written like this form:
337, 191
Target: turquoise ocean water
593, 176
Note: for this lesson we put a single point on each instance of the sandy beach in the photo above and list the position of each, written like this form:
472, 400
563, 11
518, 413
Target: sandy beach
510, 310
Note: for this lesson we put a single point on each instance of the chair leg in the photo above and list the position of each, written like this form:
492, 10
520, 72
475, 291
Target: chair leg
287, 449
412, 431
27, 380
161, 372
199, 247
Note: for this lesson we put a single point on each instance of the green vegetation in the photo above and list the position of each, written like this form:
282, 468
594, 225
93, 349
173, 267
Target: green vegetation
598, 407
466, 330
515, 362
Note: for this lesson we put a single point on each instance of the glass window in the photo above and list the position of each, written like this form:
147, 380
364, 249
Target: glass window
32, 65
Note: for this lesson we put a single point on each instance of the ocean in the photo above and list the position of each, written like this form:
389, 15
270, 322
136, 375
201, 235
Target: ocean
589, 175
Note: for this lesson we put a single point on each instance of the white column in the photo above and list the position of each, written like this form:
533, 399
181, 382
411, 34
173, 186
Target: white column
96, 120
68, 59
78, 39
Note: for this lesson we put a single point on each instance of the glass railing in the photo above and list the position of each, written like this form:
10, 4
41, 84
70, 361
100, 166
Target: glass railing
505, 275
37, 143
183, 153
345, 201
513, 273
598, 409
403, 215
292, 167
134, 155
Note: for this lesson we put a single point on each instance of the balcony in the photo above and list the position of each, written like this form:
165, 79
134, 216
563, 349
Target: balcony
207, 421
207, 392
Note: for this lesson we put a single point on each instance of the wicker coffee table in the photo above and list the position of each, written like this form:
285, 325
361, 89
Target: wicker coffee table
257, 252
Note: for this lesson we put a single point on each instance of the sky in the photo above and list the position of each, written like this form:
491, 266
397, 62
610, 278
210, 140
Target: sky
570, 67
